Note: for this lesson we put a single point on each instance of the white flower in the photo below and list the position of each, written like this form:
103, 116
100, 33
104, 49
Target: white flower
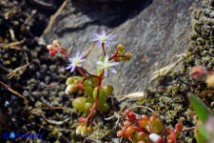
75, 61
103, 38
106, 64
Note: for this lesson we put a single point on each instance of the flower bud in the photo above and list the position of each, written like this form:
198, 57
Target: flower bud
86, 130
50, 47
179, 126
210, 80
53, 52
56, 43
71, 89
127, 56
198, 72
78, 129
130, 115
155, 138
120, 47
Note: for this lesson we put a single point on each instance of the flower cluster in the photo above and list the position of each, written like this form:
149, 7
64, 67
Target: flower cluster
146, 130
91, 94
75, 61
55, 48
202, 73
103, 39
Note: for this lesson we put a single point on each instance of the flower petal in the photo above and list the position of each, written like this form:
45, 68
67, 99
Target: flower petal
106, 59
113, 70
99, 62
79, 65
99, 44
105, 73
97, 35
114, 64
69, 66
70, 59
95, 39
103, 33
82, 60
77, 53
72, 69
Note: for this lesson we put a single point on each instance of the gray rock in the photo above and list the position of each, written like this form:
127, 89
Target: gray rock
154, 31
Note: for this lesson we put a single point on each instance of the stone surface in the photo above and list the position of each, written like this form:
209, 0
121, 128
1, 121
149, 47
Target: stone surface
154, 31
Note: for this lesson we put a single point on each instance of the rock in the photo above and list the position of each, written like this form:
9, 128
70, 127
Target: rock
154, 31
103, 0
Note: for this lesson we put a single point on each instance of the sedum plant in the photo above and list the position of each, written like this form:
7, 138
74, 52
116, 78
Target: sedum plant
144, 129
94, 93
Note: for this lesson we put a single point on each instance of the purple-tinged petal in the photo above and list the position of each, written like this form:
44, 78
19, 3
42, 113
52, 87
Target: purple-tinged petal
79, 65
96, 35
113, 70
69, 66
72, 69
70, 59
99, 44
82, 60
114, 63
99, 62
95, 39
78, 54
103, 33
106, 59
82, 55
105, 73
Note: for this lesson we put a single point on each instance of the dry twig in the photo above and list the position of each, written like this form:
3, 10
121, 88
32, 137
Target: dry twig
54, 17
19, 70
15, 93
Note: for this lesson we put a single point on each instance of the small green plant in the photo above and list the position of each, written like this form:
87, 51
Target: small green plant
94, 94
147, 130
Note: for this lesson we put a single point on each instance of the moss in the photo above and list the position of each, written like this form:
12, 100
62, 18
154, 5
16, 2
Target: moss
172, 103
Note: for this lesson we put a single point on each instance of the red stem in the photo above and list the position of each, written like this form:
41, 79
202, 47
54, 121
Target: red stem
103, 48
174, 136
81, 71
89, 117
113, 56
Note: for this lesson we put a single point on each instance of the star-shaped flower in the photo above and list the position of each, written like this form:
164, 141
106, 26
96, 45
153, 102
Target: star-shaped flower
106, 64
75, 61
103, 39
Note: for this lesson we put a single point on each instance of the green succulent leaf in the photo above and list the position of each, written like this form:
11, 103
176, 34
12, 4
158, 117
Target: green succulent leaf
201, 134
102, 98
200, 108
88, 90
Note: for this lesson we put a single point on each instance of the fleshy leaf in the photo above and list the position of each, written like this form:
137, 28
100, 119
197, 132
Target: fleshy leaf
201, 134
200, 108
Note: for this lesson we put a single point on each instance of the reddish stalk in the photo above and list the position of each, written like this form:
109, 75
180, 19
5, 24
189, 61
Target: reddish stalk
113, 56
174, 136
89, 117
81, 71
103, 48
